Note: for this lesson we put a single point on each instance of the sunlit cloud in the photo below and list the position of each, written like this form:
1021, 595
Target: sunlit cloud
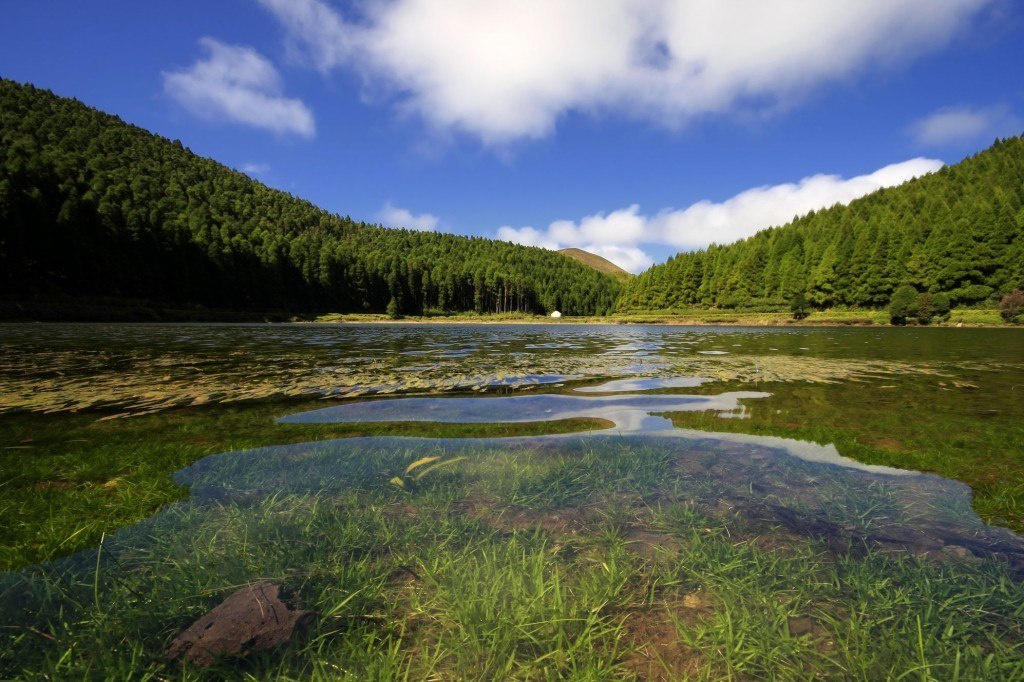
503, 70
237, 84
620, 235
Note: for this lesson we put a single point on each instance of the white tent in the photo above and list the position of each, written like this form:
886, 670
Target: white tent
556, 314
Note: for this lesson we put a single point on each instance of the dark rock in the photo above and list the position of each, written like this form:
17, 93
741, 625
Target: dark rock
252, 619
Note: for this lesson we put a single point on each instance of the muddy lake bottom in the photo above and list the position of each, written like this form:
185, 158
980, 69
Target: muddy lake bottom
786, 504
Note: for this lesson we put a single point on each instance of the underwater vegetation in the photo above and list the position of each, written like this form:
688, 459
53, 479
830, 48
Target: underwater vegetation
627, 547
595, 556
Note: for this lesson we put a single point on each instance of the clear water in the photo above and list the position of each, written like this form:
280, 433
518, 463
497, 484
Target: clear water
642, 384
808, 489
630, 414
785, 481
613, 373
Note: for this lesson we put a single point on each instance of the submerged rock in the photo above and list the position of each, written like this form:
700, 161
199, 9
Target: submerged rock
253, 619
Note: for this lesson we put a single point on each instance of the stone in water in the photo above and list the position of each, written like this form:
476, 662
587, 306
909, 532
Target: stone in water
252, 619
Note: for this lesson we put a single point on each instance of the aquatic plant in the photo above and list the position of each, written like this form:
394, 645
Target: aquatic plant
420, 468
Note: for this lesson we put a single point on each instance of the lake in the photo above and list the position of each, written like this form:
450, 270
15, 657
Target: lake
745, 502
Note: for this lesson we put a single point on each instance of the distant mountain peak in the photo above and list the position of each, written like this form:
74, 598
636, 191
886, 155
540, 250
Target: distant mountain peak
592, 260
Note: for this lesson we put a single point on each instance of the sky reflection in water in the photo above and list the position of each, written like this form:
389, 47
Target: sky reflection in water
809, 488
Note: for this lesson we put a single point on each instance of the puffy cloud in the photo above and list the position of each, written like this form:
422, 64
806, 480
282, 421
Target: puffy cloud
960, 125
503, 69
624, 225
617, 235
527, 236
238, 84
626, 256
629, 258
744, 214
393, 216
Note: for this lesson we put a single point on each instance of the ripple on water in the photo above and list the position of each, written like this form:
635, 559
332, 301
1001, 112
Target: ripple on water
137, 369
643, 384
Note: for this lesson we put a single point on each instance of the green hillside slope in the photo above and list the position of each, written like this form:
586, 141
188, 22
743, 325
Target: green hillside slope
957, 232
93, 207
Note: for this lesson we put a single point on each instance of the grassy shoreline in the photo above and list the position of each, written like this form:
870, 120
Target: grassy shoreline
129, 310
827, 318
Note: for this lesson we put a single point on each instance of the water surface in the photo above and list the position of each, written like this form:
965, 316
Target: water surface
132, 369
296, 513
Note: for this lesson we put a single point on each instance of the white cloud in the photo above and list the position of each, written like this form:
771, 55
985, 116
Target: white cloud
618, 235
744, 214
527, 236
959, 125
255, 168
315, 31
393, 216
238, 84
627, 257
624, 225
503, 70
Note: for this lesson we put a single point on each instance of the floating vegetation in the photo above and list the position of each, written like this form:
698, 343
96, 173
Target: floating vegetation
127, 370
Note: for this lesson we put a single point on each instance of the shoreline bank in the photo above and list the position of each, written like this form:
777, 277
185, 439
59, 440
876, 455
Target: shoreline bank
147, 311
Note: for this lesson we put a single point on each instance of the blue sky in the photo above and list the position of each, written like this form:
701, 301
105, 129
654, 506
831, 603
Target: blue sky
635, 128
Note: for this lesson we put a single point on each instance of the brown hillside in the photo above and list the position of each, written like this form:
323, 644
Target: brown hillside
592, 260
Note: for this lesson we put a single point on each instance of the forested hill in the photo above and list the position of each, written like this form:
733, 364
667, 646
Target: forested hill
93, 207
957, 232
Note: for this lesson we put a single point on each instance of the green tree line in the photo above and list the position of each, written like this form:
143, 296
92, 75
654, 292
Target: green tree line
955, 234
91, 206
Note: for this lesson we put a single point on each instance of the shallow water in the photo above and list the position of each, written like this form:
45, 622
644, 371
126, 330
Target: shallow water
642, 384
630, 414
765, 487
810, 489
758, 486
807, 489
807, 485
130, 369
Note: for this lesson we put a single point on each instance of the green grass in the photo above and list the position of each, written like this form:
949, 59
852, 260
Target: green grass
446, 317
65, 479
610, 563
970, 316
461, 579
690, 316
831, 317
974, 435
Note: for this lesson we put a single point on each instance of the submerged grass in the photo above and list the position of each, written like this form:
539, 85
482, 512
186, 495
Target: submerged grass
463, 578
613, 563
970, 431
65, 480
